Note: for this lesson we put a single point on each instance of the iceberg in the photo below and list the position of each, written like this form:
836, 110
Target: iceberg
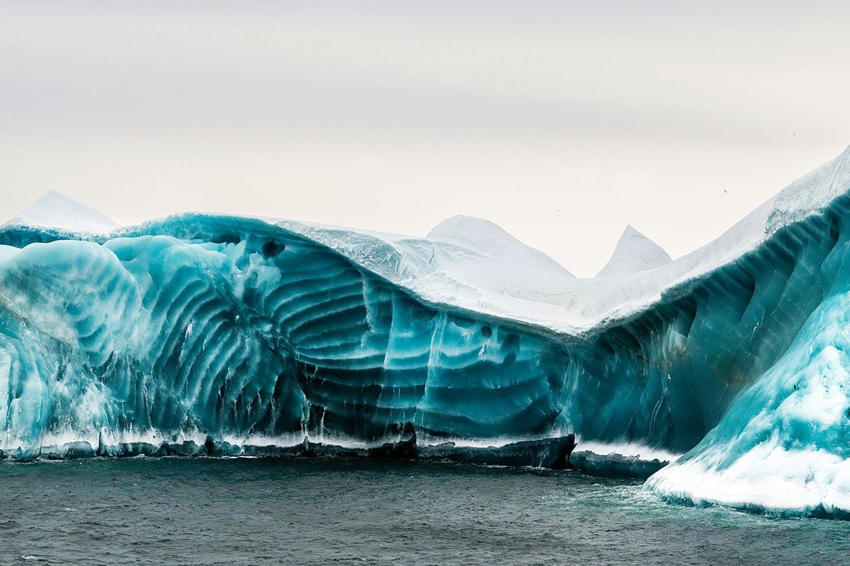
721, 375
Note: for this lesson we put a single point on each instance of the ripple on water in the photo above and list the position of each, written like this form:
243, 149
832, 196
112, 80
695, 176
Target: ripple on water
315, 511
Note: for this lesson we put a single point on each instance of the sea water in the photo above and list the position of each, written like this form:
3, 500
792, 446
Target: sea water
356, 511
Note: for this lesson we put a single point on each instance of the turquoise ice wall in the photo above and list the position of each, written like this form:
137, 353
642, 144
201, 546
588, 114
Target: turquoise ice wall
233, 329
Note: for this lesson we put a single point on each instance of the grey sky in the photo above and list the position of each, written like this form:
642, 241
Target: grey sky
560, 121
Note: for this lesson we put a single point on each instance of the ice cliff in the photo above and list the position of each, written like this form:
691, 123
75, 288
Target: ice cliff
216, 334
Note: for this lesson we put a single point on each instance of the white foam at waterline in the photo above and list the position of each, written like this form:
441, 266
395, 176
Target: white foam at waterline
767, 477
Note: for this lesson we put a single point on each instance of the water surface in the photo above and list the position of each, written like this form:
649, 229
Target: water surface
355, 511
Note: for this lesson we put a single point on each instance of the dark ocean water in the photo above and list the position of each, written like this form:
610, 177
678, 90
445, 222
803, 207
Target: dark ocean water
353, 511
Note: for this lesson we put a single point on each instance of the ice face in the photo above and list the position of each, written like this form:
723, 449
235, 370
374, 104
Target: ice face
226, 334
783, 445
234, 329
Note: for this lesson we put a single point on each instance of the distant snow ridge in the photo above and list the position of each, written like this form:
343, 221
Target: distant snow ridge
634, 253
59, 211
491, 240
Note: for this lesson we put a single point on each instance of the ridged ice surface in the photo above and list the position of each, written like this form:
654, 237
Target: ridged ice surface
209, 331
235, 329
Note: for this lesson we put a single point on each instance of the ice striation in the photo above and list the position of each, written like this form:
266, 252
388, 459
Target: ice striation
721, 375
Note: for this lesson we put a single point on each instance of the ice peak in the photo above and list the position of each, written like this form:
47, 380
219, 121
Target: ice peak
634, 252
471, 232
489, 239
55, 209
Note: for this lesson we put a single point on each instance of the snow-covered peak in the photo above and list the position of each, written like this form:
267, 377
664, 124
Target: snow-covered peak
489, 239
56, 210
634, 252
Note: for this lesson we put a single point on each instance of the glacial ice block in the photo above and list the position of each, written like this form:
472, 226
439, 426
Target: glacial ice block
223, 334
783, 445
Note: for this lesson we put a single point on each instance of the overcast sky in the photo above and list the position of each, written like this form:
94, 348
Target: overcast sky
560, 121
